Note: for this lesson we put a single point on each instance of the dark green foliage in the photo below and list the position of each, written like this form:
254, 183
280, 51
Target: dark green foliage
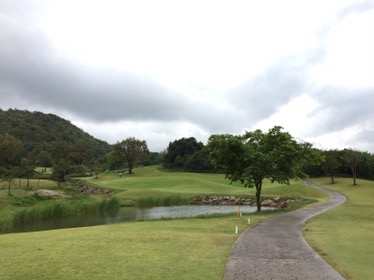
332, 164
53, 135
10, 150
153, 158
366, 167
187, 154
256, 156
60, 170
131, 150
340, 163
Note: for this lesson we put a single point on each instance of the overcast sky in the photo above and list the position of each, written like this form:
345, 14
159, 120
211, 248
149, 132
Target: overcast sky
163, 70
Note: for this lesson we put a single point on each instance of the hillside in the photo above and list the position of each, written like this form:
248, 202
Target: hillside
38, 130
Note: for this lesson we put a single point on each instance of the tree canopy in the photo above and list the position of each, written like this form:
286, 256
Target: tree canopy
255, 156
187, 154
132, 150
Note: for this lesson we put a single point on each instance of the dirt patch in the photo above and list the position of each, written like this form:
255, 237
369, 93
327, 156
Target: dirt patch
50, 193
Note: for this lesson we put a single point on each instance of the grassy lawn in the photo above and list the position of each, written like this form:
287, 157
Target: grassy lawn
344, 236
166, 249
150, 181
195, 248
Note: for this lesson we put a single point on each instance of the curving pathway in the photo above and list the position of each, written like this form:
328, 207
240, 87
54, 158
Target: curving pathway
276, 249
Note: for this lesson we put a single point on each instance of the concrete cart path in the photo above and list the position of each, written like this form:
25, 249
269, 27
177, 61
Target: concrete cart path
275, 248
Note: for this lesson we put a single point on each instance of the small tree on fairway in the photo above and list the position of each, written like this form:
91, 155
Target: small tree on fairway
256, 156
332, 164
352, 158
132, 150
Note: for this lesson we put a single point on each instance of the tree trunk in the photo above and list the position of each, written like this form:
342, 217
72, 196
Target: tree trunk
354, 174
130, 165
9, 187
258, 195
332, 180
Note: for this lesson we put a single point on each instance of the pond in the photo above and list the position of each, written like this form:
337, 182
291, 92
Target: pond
128, 214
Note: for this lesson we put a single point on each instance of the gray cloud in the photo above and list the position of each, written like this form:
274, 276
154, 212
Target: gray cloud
32, 72
261, 96
366, 137
31, 69
35, 75
343, 107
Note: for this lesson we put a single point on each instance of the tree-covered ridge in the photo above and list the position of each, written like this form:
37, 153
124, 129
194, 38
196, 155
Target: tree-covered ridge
38, 131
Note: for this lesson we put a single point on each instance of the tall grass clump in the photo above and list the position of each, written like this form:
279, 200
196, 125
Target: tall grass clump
6, 221
109, 205
60, 209
170, 200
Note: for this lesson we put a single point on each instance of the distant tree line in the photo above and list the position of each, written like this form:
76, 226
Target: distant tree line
346, 162
33, 139
188, 154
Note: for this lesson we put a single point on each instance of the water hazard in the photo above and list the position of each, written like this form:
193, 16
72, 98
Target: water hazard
129, 214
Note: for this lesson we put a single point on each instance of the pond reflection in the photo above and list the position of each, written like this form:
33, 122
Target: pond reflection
128, 214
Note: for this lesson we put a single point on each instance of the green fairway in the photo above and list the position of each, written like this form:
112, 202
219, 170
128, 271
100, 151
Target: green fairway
149, 181
173, 249
343, 236
165, 249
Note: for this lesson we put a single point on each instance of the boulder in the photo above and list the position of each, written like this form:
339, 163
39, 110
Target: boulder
266, 202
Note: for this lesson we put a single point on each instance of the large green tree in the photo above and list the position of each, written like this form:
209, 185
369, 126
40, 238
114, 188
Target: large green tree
179, 151
132, 150
187, 154
256, 156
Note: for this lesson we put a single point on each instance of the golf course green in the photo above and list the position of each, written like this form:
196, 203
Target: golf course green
194, 248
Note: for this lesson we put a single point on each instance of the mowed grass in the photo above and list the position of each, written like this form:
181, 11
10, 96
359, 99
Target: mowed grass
195, 248
344, 236
165, 249
151, 182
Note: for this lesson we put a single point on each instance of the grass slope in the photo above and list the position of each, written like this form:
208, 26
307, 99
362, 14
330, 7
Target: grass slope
343, 236
151, 182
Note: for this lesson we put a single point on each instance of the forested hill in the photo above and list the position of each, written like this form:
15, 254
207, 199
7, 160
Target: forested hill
38, 131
